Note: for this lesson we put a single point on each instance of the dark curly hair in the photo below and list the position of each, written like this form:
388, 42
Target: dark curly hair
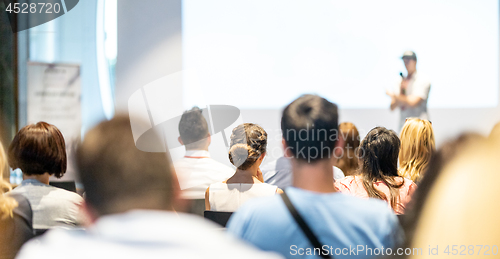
248, 143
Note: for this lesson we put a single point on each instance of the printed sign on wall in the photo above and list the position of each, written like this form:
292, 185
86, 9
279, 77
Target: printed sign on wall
54, 96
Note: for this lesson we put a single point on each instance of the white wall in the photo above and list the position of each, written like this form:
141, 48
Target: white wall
150, 47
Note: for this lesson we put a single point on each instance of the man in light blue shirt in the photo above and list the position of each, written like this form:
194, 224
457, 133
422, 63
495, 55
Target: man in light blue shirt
346, 226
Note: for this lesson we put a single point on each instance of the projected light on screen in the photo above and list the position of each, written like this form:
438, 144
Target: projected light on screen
262, 54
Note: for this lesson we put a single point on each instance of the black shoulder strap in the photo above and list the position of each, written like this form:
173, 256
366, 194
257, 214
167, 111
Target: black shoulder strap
303, 225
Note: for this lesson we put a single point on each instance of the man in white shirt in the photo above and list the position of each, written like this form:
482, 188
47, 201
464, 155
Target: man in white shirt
130, 196
196, 170
412, 93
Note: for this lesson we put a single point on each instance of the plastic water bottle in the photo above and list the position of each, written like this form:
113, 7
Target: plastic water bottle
16, 176
19, 176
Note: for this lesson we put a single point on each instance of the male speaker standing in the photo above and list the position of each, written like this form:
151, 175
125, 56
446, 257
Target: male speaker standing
412, 93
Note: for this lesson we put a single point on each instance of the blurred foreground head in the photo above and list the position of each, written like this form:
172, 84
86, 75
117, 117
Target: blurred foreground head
117, 176
462, 205
439, 160
495, 132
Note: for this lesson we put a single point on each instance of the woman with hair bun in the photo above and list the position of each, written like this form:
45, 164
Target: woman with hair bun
246, 152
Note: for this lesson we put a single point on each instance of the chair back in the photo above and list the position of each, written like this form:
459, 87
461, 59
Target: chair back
66, 185
219, 217
40, 231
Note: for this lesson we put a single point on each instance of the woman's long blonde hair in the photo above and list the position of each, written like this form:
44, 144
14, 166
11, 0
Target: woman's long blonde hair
7, 204
417, 146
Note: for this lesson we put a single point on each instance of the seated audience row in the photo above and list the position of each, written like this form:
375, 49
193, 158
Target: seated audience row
372, 168
133, 198
130, 200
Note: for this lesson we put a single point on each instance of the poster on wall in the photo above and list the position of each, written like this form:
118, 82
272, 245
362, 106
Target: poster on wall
54, 96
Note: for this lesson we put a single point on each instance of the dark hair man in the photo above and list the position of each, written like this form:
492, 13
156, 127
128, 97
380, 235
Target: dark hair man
196, 170
343, 224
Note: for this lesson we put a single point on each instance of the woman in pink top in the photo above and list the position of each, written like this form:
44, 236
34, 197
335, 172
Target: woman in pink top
378, 175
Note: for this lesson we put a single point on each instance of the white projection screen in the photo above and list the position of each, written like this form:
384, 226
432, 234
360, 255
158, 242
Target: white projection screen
262, 54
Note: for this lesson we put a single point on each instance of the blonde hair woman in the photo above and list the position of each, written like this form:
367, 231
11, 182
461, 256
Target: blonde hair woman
15, 216
417, 146
7, 204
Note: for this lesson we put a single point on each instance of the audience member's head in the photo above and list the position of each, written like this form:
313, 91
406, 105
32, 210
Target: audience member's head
378, 154
7, 204
417, 145
310, 128
117, 176
248, 144
460, 208
349, 163
439, 159
39, 149
193, 130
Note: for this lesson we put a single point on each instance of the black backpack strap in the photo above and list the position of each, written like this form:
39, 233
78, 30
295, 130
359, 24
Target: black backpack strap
303, 225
